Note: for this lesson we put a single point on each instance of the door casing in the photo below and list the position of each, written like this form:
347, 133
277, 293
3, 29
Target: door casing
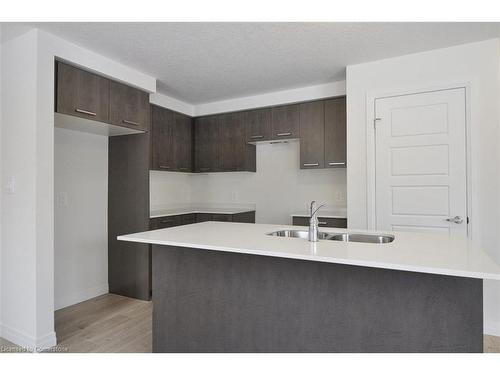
371, 96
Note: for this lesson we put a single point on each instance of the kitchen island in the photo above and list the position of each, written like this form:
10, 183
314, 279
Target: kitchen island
231, 287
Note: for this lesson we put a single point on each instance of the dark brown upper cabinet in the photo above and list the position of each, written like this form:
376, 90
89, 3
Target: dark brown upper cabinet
206, 139
183, 142
82, 94
129, 106
335, 133
285, 122
312, 135
235, 153
162, 135
258, 125
171, 140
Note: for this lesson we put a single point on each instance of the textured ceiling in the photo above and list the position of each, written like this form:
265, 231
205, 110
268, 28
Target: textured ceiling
204, 62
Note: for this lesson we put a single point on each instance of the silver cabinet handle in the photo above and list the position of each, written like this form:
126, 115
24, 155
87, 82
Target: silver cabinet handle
131, 122
332, 163
256, 136
168, 221
310, 164
322, 223
164, 166
183, 169
85, 112
283, 134
204, 169
455, 220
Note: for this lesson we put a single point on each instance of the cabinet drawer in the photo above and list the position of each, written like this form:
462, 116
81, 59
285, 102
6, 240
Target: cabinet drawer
327, 222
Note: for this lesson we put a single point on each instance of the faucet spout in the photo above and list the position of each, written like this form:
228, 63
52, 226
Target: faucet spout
313, 222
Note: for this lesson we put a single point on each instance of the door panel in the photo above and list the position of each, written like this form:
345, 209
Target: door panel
421, 162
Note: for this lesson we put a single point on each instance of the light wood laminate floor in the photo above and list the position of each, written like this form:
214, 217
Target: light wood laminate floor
108, 323
112, 323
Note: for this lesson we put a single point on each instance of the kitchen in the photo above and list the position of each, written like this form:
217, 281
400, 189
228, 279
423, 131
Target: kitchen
154, 180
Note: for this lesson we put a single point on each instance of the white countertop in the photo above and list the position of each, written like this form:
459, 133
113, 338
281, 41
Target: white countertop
198, 210
419, 252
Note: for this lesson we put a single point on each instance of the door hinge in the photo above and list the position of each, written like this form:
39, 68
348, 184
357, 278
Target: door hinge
375, 121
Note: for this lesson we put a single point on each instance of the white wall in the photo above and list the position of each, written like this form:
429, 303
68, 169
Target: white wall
18, 206
1, 184
80, 226
278, 188
169, 189
475, 65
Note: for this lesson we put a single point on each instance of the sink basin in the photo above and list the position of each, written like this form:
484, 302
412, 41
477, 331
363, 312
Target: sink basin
304, 234
346, 237
359, 237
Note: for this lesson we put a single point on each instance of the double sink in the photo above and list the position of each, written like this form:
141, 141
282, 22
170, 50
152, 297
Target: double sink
345, 237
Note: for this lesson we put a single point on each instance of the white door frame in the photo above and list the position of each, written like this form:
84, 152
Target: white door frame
371, 96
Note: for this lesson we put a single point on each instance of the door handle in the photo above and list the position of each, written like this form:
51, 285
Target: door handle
455, 220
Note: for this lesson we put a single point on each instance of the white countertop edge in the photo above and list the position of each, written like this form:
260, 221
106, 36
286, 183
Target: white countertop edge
317, 258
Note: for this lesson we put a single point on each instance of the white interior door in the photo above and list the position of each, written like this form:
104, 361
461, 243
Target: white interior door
420, 174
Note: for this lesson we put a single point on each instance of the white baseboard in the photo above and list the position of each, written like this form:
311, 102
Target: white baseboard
80, 296
492, 329
26, 341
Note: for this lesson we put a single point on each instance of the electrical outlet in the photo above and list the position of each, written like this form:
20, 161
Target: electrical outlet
339, 196
62, 199
11, 185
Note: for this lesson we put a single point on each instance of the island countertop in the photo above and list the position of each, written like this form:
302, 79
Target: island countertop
433, 253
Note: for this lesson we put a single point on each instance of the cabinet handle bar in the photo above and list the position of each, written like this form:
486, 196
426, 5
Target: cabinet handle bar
85, 112
131, 122
336, 163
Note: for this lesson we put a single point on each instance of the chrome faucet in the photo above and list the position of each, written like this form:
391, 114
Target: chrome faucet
313, 222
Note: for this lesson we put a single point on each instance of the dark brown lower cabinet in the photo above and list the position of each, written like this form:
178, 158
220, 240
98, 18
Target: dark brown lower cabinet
176, 220
327, 222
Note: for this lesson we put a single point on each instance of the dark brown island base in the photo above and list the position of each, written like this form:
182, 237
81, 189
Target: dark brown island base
214, 301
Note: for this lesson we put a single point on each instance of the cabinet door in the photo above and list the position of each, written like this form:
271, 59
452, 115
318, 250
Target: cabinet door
162, 129
168, 222
258, 125
82, 94
206, 141
312, 135
232, 142
182, 146
222, 217
285, 122
335, 133
128, 106
202, 217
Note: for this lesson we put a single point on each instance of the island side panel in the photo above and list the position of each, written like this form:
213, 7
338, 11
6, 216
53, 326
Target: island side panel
211, 301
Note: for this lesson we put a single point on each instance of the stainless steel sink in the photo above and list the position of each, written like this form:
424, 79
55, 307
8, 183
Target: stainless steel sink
361, 237
304, 234
346, 237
